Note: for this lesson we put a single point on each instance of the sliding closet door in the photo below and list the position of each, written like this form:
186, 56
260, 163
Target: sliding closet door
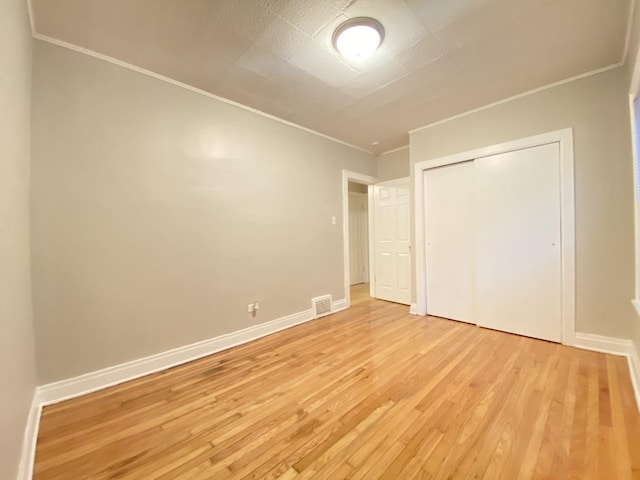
518, 262
450, 241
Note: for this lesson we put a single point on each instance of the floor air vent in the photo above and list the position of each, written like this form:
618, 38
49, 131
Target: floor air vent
321, 306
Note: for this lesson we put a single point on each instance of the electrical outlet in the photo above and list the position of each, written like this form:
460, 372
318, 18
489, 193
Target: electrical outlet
250, 308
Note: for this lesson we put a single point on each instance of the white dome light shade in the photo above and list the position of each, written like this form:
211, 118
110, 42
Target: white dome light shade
358, 38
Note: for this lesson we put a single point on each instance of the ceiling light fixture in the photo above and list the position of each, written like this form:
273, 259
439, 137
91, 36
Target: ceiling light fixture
357, 38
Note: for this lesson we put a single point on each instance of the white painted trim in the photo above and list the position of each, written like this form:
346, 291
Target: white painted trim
349, 176
108, 377
91, 382
634, 86
520, 95
413, 309
568, 233
634, 91
567, 205
394, 150
634, 371
627, 38
395, 182
32, 21
603, 344
27, 460
338, 305
419, 248
59, 391
636, 207
371, 232
177, 83
615, 346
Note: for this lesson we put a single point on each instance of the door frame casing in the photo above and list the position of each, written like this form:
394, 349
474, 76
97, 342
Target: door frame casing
567, 207
355, 177
634, 95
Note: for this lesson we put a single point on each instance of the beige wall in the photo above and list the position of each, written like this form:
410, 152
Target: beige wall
393, 165
358, 187
597, 109
17, 361
159, 214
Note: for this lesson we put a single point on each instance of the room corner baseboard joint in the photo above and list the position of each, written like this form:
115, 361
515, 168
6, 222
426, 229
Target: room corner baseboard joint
634, 371
614, 346
27, 460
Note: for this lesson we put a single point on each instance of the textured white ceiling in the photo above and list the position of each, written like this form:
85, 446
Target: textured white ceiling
439, 57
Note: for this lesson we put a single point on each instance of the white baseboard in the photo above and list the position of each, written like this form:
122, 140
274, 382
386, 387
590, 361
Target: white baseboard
600, 343
91, 382
413, 309
614, 346
25, 469
634, 370
339, 305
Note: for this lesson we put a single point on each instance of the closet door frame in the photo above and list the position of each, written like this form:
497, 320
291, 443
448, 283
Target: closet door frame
567, 206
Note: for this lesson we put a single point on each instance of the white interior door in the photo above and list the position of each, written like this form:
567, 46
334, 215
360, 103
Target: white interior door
358, 238
450, 241
391, 241
518, 256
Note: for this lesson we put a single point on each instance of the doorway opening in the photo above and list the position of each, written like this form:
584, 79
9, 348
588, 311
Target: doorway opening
359, 267
357, 230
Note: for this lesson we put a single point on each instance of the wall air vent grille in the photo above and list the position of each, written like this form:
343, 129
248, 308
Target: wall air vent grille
321, 306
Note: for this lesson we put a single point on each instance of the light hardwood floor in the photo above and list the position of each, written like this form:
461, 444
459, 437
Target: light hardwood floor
371, 392
359, 293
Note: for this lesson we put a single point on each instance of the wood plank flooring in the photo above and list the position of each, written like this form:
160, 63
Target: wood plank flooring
367, 393
359, 293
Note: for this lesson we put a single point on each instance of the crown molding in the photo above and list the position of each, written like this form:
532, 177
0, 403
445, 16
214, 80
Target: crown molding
393, 150
520, 95
157, 76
